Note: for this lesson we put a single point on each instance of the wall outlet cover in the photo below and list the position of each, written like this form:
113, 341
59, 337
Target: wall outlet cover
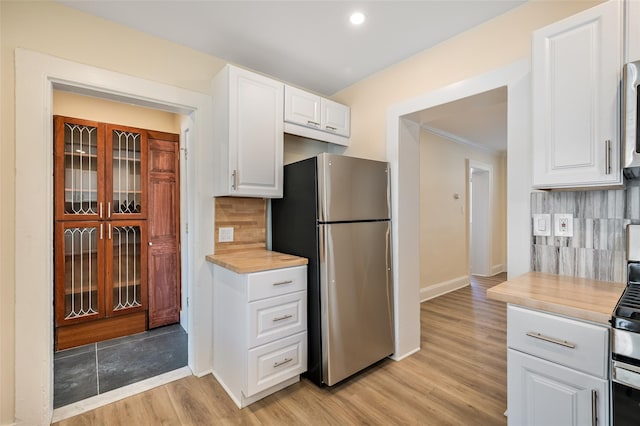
225, 235
563, 225
542, 225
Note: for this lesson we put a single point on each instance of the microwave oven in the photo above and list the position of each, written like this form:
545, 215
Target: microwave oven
630, 115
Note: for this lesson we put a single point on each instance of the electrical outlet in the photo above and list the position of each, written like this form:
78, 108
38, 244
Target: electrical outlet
563, 225
225, 235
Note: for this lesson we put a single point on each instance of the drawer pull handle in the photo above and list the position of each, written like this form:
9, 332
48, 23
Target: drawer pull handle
313, 123
283, 282
278, 364
551, 339
284, 317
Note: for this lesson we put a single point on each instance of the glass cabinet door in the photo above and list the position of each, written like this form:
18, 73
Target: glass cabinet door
79, 169
126, 273
126, 173
79, 263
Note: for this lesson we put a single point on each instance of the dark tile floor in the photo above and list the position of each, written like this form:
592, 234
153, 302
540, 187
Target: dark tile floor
89, 370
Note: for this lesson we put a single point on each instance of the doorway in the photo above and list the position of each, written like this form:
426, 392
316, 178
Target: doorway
403, 151
480, 218
115, 283
36, 77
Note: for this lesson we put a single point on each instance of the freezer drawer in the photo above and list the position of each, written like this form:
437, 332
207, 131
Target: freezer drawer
356, 293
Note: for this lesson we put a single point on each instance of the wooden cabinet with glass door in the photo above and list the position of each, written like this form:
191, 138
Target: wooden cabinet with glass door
100, 233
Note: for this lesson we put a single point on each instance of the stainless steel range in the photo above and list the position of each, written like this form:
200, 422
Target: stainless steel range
625, 346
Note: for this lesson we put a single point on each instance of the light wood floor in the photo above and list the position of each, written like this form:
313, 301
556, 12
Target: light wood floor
457, 378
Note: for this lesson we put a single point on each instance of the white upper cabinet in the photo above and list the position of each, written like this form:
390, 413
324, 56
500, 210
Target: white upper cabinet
577, 66
248, 134
336, 118
632, 31
315, 117
301, 107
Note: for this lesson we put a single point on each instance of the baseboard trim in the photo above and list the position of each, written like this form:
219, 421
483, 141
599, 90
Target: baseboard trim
106, 398
444, 287
498, 269
405, 355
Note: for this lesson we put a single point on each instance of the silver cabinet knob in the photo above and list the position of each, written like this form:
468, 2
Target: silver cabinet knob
150, 243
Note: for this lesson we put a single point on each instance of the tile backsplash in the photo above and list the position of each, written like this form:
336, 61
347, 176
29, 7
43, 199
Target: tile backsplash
597, 249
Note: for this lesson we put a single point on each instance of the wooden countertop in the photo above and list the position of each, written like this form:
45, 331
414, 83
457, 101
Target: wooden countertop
575, 297
247, 261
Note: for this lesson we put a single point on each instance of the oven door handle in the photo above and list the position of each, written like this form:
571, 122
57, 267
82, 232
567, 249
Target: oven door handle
626, 374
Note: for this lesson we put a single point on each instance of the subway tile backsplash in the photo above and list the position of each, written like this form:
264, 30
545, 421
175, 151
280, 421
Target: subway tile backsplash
597, 249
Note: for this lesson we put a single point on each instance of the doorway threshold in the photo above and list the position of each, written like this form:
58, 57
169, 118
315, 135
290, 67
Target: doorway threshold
106, 398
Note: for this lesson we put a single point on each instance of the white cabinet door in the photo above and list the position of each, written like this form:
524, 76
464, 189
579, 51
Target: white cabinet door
576, 73
248, 134
544, 393
632, 31
302, 107
312, 116
335, 117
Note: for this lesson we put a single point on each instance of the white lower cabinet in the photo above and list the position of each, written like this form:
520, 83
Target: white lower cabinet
259, 331
544, 393
557, 370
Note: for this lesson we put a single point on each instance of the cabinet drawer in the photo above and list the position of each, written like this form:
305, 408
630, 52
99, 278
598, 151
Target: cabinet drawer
275, 362
276, 282
276, 317
568, 342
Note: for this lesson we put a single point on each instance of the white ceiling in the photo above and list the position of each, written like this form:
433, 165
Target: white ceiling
311, 44
479, 121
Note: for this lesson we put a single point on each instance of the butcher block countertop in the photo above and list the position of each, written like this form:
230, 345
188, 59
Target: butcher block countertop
575, 297
247, 261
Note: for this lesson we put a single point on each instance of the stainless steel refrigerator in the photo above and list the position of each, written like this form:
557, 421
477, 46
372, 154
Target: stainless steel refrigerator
336, 212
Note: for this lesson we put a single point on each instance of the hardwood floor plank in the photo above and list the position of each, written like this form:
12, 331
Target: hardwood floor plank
457, 378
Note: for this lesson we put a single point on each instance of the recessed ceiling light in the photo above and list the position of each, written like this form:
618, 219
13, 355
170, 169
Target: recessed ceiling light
357, 18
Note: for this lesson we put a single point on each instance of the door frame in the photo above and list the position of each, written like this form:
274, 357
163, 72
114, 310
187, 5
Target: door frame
37, 75
403, 153
488, 209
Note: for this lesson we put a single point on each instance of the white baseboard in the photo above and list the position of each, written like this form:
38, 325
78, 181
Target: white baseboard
495, 270
406, 354
427, 293
498, 269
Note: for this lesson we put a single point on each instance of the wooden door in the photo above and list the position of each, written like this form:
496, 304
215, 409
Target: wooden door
126, 172
79, 169
164, 229
125, 260
79, 266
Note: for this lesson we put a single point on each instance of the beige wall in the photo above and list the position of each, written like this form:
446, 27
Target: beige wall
444, 242
89, 108
59, 31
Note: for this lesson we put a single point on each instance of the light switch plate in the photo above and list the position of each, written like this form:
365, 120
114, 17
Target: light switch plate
542, 225
563, 225
225, 235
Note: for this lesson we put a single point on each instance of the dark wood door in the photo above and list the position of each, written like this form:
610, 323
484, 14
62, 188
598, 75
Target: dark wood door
126, 172
79, 169
164, 229
79, 265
